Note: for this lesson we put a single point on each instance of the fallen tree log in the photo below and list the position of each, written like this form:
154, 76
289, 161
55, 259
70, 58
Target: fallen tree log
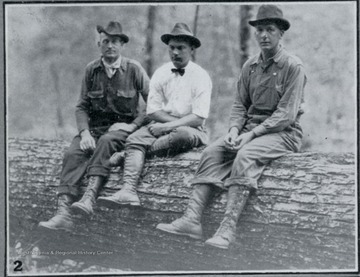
302, 216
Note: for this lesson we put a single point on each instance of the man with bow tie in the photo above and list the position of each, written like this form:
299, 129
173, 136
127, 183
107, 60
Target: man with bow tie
178, 104
110, 108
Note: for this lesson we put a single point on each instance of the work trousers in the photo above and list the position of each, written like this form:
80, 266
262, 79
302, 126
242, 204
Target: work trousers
77, 162
223, 168
177, 141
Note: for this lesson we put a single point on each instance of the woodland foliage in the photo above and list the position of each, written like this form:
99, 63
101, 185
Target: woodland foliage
49, 45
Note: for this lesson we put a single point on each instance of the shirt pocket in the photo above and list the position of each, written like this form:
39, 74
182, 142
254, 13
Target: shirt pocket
97, 99
126, 101
268, 94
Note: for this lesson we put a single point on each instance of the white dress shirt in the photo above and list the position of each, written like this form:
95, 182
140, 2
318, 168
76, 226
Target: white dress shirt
180, 95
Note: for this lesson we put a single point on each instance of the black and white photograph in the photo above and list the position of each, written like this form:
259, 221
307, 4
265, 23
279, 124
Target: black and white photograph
181, 138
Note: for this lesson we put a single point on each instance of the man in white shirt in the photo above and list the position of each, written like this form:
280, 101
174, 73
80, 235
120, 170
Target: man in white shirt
178, 104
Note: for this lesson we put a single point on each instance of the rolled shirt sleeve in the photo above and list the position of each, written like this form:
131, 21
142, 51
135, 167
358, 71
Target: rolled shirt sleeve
289, 104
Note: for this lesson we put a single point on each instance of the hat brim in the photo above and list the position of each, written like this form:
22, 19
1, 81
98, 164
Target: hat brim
283, 23
124, 37
193, 40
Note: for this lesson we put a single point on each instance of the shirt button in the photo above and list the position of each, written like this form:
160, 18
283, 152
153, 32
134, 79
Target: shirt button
274, 73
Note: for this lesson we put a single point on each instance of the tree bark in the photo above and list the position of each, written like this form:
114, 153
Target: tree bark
245, 16
55, 77
150, 40
301, 217
196, 17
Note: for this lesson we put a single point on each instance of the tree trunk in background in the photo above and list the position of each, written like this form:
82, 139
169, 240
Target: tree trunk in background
195, 28
150, 40
301, 217
231, 47
245, 16
55, 78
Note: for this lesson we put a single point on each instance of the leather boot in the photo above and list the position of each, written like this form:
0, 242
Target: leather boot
161, 146
134, 162
190, 223
62, 219
86, 203
226, 233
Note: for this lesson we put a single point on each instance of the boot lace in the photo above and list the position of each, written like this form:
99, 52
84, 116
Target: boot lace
226, 228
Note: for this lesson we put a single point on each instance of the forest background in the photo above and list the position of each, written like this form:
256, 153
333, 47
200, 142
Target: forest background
48, 46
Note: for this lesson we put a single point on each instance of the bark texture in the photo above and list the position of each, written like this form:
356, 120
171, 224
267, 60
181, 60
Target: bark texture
244, 31
301, 217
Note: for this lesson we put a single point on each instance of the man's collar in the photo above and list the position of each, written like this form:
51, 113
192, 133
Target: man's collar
188, 66
123, 63
182, 70
115, 64
278, 57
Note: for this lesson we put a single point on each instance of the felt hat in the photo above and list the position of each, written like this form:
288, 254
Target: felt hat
181, 30
113, 29
270, 13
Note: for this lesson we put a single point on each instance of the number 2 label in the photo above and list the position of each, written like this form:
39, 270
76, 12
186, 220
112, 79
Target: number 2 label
18, 266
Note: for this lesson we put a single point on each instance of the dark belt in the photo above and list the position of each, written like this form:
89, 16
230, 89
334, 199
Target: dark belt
103, 119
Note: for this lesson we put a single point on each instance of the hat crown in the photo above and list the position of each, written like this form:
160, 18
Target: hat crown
114, 27
269, 11
181, 29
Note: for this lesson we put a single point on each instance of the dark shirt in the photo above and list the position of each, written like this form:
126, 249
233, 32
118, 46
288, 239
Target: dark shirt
105, 101
269, 95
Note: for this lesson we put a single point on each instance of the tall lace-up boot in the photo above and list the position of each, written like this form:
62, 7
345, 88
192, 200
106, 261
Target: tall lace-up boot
134, 162
190, 223
226, 233
86, 204
62, 219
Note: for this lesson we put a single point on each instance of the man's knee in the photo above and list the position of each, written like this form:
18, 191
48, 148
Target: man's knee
73, 153
133, 138
245, 155
216, 147
111, 137
183, 137
133, 142
139, 139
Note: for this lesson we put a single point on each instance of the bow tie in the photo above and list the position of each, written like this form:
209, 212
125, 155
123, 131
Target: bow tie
181, 71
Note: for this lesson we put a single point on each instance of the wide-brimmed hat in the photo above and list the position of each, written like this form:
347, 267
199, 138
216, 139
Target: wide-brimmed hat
113, 29
181, 30
270, 13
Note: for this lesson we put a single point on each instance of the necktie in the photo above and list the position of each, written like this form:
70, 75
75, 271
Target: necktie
181, 71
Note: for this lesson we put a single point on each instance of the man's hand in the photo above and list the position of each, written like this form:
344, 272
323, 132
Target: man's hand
129, 128
159, 129
230, 138
87, 141
243, 139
